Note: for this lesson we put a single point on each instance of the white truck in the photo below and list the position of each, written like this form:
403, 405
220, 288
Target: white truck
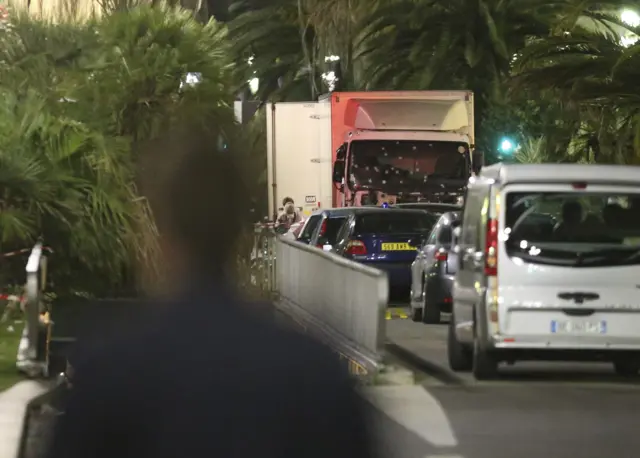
398, 145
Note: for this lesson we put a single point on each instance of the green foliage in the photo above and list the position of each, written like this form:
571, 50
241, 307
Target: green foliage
554, 70
76, 101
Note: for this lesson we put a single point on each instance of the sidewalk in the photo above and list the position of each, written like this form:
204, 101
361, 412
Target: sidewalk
13, 408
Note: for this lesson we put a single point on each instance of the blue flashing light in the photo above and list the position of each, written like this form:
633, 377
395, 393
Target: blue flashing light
385, 205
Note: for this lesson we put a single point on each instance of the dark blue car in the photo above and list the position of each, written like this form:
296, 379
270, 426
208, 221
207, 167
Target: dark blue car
386, 239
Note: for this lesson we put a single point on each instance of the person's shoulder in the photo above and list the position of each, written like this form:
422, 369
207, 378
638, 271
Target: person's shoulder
293, 350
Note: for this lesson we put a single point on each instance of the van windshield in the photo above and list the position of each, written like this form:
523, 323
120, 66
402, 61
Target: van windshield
577, 230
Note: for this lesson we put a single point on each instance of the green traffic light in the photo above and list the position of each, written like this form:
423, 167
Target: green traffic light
507, 146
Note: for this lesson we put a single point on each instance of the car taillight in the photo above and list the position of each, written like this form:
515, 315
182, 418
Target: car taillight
323, 228
322, 233
441, 255
491, 249
356, 248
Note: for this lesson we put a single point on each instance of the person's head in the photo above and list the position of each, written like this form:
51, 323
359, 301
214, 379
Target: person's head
287, 200
188, 184
289, 209
572, 212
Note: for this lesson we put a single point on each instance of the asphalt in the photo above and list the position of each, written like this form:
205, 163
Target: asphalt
534, 410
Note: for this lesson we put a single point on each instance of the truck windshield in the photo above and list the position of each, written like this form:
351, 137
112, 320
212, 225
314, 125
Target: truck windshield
570, 229
382, 164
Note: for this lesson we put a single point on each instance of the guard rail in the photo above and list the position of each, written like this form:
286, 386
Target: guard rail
340, 301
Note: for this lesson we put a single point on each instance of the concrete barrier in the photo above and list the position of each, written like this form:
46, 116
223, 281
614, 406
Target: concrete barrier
340, 301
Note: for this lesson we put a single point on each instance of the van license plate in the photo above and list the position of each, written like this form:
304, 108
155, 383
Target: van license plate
578, 327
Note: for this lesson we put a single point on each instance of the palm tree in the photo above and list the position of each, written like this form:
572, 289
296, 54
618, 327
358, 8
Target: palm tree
276, 45
464, 44
593, 71
288, 43
77, 101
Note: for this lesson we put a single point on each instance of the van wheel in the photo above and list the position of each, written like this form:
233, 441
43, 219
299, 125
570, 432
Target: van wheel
485, 364
416, 315
430, 313
627, 368
460, 357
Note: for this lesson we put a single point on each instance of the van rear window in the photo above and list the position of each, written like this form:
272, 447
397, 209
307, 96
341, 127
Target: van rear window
395, 222
579, 230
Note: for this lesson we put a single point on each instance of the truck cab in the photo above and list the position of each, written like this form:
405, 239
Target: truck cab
395, 146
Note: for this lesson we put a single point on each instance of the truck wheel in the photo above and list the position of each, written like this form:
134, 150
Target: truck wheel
460, 357
485, 364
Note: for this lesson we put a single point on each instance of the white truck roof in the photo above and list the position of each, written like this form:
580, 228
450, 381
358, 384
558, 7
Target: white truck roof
554, 173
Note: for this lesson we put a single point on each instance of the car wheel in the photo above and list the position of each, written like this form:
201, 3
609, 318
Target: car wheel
430, 313
416, 315
460, 357
627, 368
485, 364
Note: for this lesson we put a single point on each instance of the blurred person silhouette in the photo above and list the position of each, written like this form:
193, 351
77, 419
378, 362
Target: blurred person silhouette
205, 374
572, 216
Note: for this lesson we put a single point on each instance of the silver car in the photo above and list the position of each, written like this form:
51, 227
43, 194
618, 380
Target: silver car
433, 271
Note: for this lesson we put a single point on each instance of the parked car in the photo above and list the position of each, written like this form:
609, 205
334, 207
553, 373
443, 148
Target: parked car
433, 271
435, 208
385, 239
321, 228
530, 288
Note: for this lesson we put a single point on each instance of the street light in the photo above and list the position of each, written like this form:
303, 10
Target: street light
254, 85
630, 17
507, 146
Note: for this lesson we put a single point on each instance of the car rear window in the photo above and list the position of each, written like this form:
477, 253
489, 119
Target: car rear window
395, 222
576, 229
333, 227
307, 231
435, 209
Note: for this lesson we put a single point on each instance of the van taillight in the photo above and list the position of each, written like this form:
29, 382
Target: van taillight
441, 255
491, 249
356, 248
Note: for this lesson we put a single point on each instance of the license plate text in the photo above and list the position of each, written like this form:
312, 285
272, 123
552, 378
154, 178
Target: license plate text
397, 247
578, 327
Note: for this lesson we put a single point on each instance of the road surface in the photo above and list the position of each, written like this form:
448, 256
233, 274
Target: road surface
534, 410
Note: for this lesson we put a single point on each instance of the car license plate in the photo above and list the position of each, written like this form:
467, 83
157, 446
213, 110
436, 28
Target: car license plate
578, 327
397, 247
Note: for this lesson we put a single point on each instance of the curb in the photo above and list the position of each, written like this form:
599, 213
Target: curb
39, 399
437, 371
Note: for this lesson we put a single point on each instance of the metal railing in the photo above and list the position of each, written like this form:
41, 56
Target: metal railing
263, 258
340, 301
30, 359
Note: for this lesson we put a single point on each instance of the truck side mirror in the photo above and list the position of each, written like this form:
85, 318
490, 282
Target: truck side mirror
477, 161
341, 152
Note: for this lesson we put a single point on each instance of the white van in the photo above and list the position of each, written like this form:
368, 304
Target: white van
549, 268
